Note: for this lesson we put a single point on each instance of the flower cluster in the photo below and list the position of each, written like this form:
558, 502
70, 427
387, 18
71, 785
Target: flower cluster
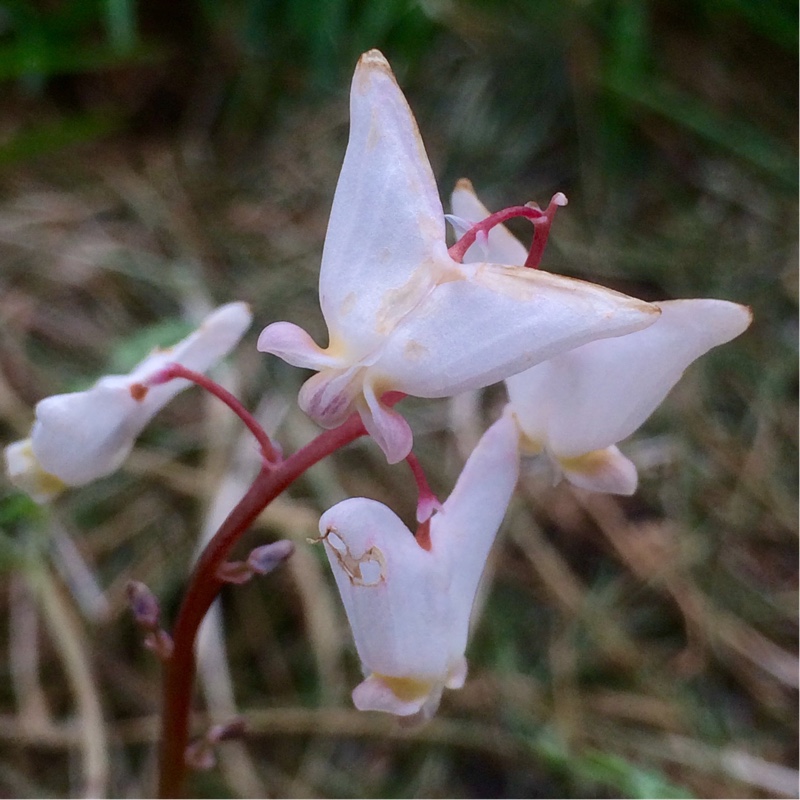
584, 367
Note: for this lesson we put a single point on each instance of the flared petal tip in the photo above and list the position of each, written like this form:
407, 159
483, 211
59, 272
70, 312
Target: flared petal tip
374, 59
221, 330
606, 471
291, 343
25, 472
386, 426
733, 319
403, 697
235, 316
464, 185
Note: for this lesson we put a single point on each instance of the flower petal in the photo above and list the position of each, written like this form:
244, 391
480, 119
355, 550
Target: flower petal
395, 593
605, 471
386, 228
400, 696
467, 525
329, 396
82, 436
295, 347
503, 246
26, 473
386, 426
215, 337
470, 333
600, 393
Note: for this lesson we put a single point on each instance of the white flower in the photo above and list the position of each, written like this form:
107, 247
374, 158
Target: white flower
82, 436
409, 599
577, 405
404, 316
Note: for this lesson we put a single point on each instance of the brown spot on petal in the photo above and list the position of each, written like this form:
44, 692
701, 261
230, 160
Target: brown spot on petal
414, 350
361, 570
374, 134
398, 302
347, 304
138, 391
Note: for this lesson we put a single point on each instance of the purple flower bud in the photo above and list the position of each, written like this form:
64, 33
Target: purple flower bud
264, 559
144, 605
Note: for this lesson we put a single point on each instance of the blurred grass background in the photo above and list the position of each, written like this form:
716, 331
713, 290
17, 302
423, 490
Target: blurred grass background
157, 159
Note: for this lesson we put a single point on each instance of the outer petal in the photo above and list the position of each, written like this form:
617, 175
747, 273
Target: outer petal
605, 471
503, 246
470, 333
82, 436
399, 696
216, 336
387, 427
467, 525
26, 473
329, 396
386, 230
295, 347
600, 393
396, 595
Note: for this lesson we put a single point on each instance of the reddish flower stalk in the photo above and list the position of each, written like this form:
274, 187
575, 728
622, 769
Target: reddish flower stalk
171, 371
542, 220
204, 585
459, 249
427, 501
542, 231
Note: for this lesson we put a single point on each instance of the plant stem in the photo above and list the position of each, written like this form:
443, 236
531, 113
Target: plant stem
459, 249
541, 220
176, 370
204, 586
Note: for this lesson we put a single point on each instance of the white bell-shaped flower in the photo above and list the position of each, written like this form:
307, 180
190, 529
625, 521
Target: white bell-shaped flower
408, 599
81, 436
577, 405
404, 316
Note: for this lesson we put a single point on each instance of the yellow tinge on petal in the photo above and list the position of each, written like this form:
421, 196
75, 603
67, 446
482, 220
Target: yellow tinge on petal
26, 473
605, 470
532, 447
587, 464
405, 689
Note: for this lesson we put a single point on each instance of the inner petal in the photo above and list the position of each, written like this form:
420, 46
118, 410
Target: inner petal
328, 397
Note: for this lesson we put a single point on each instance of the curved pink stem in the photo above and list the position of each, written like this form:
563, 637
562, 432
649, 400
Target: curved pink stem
175, 370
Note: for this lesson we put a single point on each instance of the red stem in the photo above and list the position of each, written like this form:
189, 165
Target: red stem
542, 231
542, 220
427, 501
459, 249
176, 370
204, 586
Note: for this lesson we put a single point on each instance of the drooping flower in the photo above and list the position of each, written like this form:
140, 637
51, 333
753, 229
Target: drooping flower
408, 599
82, 436
578, 405
402, 314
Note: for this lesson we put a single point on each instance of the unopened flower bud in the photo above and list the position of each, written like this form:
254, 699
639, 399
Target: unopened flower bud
200, 753
144, 605
266, 558
261, 561
160, 642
